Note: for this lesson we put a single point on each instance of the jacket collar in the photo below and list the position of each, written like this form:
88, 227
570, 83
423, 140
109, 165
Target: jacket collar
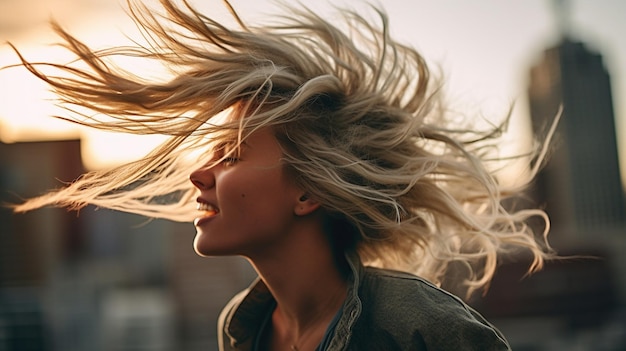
352, 306
243, 326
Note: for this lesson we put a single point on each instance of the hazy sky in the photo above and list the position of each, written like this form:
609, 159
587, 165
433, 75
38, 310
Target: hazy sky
485, 48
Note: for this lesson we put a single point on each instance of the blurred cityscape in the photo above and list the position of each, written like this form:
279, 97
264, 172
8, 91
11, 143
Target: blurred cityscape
103, 280
573, 304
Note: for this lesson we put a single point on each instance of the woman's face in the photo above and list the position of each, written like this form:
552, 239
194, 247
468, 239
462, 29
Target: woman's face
246, 203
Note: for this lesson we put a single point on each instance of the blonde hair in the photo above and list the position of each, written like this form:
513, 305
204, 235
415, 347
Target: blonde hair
359, 117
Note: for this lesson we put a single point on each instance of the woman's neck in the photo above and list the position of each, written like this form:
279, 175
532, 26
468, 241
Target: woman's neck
309, 284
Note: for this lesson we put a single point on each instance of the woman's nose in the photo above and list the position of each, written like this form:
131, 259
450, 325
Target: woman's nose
202, 178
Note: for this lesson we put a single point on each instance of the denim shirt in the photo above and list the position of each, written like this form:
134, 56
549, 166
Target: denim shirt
384, 310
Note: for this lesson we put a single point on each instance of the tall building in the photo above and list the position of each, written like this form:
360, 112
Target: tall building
581, 184
570, 302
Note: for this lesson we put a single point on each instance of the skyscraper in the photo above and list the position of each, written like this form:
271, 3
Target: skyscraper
580, 185
580, 188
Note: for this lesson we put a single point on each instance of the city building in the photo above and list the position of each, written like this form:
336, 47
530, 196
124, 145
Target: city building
575, 303
580, 184
100, 279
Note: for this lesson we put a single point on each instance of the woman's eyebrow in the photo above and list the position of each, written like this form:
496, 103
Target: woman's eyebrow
228, 146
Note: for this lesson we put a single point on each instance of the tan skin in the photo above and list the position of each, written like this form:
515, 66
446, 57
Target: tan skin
261, 214
309, 290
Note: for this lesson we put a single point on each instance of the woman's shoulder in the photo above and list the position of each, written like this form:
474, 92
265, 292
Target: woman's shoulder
405, 287
403, 304
408, 296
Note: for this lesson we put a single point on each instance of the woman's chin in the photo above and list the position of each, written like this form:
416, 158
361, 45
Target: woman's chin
206, 247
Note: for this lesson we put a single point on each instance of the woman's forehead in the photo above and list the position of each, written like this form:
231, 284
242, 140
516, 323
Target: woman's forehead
225, 117
235, 124
225, 125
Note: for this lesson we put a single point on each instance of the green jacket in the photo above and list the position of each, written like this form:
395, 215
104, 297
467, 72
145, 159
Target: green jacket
384, 310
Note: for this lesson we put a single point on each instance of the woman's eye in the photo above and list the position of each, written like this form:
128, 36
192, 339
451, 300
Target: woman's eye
230, 160
226, 153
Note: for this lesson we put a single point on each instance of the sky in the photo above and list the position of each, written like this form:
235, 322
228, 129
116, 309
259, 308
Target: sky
483, 47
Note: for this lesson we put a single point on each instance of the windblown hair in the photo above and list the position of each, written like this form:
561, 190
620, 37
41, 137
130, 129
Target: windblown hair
359, 117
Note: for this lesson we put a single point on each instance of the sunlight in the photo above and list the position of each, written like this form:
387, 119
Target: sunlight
27, 103
492, 64
28, 106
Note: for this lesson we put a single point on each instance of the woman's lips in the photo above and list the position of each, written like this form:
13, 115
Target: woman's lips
209, 211
207, 207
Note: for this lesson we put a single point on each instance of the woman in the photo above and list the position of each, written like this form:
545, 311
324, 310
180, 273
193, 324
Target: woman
319, 152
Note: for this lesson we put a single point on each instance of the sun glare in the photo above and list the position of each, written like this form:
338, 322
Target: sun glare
27, 105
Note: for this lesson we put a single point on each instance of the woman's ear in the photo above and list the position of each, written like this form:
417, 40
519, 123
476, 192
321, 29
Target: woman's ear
306, 205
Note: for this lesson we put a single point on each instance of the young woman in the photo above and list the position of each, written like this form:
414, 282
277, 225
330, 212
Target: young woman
321, 152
